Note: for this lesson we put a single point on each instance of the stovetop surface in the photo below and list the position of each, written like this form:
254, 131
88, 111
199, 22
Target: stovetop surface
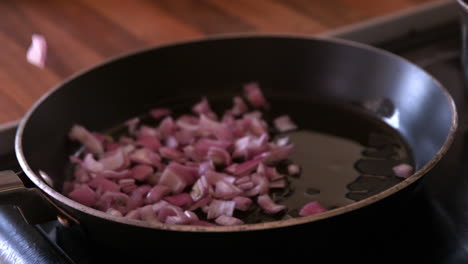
442, 237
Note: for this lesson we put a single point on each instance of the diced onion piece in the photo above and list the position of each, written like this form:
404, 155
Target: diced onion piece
254, 95
228, 220
82, 135
312, 208
37, 51
403, 170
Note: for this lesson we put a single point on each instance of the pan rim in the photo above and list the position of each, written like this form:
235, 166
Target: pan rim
37, 180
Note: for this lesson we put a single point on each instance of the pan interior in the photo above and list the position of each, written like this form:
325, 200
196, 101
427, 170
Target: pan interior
345, 152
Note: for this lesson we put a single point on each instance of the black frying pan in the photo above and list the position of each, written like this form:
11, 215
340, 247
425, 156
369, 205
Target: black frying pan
361, 86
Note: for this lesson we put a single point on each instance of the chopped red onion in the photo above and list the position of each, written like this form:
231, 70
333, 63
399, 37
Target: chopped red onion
149, 142
219, 156
157, 193
84, 195
246, 185
403, 170
254, 114
205, 166
213, 177
182, 138
267, 204
256, 126
199, 151
312, 208
170, 210
182, 168
37, 51
158, 113
91, 165
124, 140
242, 203
239, 107
114, 174
260, 183
103, 185
188, 123
203, 108
200, 189
138, 195
116, 200
254, 95
192, 217
228, 220
211, 127
147, 214
81, 175
249, 146
278, 184
202, 223
159, 205
113, 160
141, 172
127, 185
171, 142
132, 125
88, 140
173, 180
270, 172
225, 190
145, 156
284, 124
134, 214
190, 174
172, 154
201, 203
114, 212
244, 168
177, 220
75, 159
146, 131
282, 141
153, 178
243, 179
278, 154
294, 169
181, 199
167, 127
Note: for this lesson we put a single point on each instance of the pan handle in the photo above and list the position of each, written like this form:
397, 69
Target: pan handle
34, 206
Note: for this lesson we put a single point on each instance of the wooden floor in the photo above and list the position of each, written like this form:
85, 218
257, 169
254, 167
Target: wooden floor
81, 33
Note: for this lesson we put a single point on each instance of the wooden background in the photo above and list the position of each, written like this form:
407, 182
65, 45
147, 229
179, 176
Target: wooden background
81, 33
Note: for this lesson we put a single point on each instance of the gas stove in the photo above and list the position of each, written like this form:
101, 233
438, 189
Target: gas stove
429, 36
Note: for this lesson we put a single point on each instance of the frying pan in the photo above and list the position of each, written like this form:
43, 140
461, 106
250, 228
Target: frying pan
295, 72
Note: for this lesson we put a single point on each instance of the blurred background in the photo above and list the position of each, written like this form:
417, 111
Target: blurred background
81, 33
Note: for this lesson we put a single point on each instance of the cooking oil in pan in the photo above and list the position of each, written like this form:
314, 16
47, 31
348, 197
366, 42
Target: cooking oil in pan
345, 154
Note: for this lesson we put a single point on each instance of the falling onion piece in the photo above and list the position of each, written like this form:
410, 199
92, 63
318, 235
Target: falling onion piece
284, 124
254, 95
37, 51
294, 169
312, 208
82, 135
